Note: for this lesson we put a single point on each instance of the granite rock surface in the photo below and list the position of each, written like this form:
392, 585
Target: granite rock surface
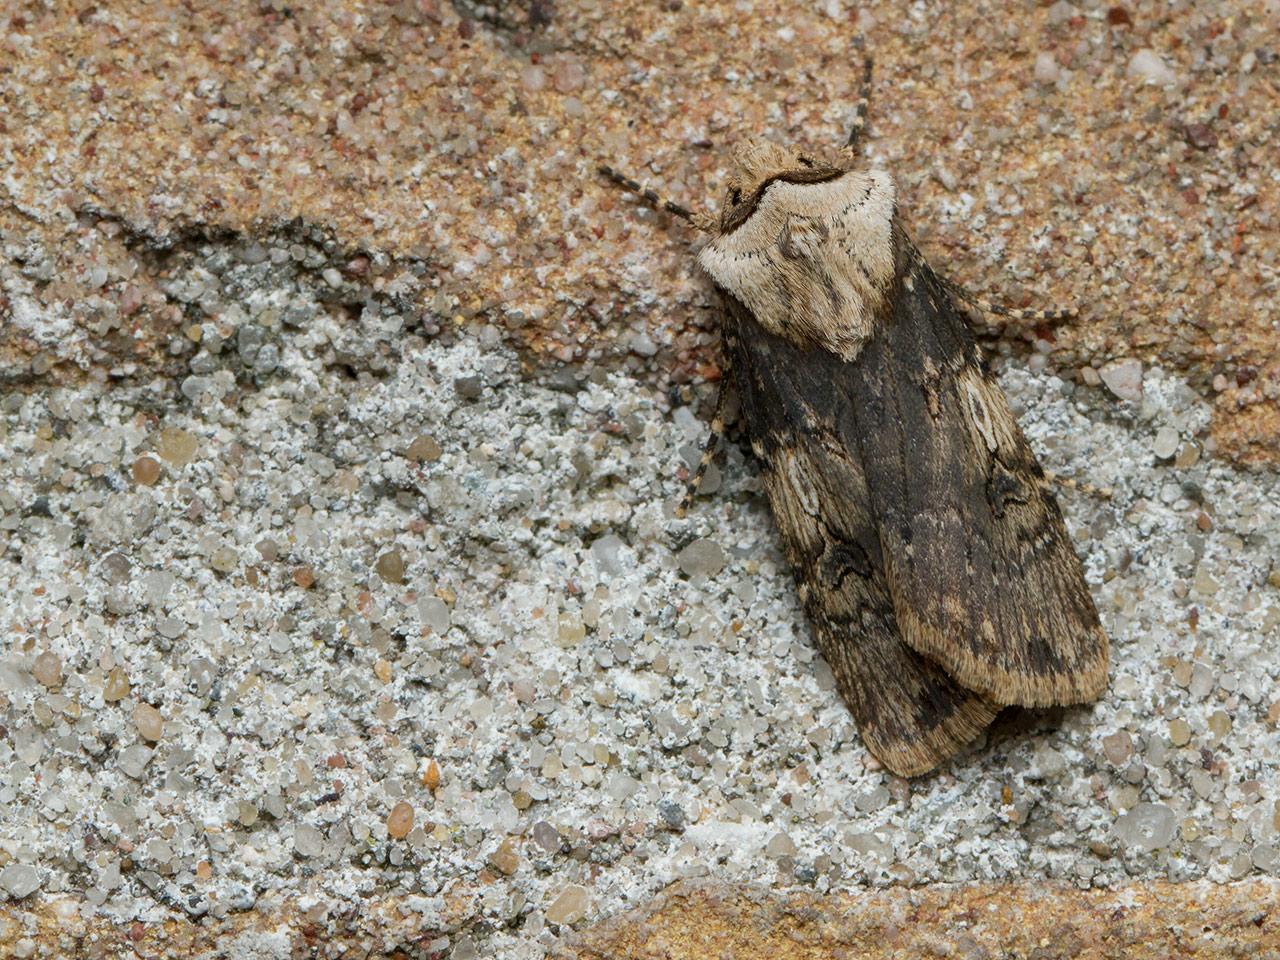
342, 414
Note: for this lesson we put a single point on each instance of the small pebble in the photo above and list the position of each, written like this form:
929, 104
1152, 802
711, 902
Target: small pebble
146, 471
224, 560
149, 722
672, 815
177, 447
1188, 456
704, 557
1100, 849
547, 837
780, 845
424, 449
572, 630
117, 567
570, 906
1147, 66
569, 76
117, 686
19, 880
1046, 68
1124, 379
133, 760
505, 859
390, 566
1219, 724
400, 820
47, 670
1119, 17
1060, 12
533, 78
1201, 136
1266, 858
434, 613
431, 775
1118, 747
307, 840
1166, 443
1147, 827
1179, 732
1204, 583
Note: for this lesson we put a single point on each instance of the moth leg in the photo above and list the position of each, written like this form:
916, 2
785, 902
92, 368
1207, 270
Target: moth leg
1089, 489
708, 452
700, 221
860, 109
1013, 313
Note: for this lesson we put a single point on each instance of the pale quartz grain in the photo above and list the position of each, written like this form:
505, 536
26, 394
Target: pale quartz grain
117, 686
176, 446
570, 905
148, 721
47, 669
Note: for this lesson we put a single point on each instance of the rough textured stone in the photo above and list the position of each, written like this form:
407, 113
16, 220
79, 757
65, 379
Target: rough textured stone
1160, 920
1098, 200
261, 270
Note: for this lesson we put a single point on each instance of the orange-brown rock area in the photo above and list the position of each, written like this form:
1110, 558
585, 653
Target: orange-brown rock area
693, 921
1120, 158
1158, 921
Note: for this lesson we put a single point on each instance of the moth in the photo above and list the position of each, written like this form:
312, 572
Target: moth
930, 554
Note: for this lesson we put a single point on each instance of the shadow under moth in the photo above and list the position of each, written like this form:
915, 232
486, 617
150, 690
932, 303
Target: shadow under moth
930, 554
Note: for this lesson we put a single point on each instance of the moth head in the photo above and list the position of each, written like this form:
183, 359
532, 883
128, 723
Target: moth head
756, 164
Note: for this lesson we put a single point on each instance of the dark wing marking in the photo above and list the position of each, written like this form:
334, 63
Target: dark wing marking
983, 575
911, 715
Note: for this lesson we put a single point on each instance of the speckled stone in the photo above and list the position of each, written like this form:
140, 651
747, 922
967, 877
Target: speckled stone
553, 666
1134, 143
693, 920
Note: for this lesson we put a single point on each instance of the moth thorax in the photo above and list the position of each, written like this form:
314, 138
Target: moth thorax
802, 238
813, 262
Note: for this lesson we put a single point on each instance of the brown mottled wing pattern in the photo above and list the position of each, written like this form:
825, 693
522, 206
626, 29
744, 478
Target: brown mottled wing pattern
983, 575
799, 409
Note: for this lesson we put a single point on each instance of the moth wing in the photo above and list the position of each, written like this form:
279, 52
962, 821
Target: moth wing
910, 714
983, 575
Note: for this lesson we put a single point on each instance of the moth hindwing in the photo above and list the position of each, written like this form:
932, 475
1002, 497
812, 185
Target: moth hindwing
930, 554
